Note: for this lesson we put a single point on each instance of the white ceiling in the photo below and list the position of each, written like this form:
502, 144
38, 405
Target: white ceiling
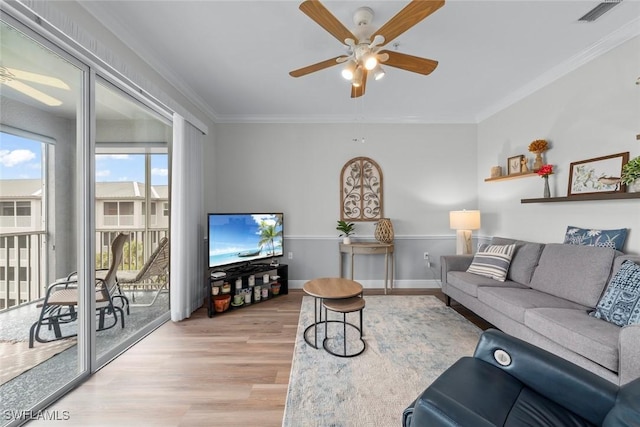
232, 58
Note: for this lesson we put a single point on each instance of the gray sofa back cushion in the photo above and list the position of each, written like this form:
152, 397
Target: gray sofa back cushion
524, 260
575, 273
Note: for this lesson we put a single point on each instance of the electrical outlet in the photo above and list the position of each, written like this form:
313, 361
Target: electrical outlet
427, 260
290, 255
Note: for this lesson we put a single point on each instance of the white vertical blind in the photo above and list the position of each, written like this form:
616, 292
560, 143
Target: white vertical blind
187, 220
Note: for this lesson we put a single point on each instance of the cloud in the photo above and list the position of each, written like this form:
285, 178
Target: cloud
15, 157
113, 156
103, 173
160, 171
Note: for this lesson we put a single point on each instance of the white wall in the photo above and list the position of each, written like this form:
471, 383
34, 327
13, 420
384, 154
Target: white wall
591, 112
427, 171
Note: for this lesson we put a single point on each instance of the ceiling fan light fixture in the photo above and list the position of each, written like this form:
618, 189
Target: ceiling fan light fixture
357, 77
378, 72
370, 61
349, 70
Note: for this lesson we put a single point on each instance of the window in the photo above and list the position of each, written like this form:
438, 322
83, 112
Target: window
118, 213
165, 210
23, 208
7, 209
111, 208
126, 208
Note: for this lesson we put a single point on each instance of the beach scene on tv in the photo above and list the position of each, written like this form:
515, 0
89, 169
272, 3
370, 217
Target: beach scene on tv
236, 238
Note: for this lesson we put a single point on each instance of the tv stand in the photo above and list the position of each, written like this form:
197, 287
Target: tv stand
256, 270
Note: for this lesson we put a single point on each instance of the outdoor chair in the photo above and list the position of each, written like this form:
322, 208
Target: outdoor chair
153, 273
61, 300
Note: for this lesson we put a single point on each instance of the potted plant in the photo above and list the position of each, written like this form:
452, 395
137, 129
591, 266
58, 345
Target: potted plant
631, 174
347, 229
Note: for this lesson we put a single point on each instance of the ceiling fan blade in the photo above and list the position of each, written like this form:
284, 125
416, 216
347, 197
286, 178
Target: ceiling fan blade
409, 62
412, 13
33, 93
316, 11
38, 78
357, 92
317, 67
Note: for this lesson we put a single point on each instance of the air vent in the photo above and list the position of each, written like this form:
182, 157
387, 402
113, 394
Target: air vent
599, 10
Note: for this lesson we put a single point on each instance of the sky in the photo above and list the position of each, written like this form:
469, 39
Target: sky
21, 158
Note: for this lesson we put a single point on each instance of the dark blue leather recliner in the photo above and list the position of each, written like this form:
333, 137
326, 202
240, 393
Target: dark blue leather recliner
510, 383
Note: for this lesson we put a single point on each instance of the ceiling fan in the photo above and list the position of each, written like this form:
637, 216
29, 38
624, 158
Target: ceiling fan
15, 79
364, 46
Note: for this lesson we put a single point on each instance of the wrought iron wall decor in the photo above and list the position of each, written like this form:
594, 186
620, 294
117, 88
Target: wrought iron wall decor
361, 190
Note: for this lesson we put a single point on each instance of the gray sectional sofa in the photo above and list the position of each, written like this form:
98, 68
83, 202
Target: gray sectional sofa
546, 299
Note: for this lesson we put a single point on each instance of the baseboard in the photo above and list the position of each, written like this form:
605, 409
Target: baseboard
379, 284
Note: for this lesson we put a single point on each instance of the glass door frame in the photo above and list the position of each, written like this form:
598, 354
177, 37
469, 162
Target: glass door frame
92, 67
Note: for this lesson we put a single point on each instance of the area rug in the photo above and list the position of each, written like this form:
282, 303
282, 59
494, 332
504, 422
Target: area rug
16, 357
410, 341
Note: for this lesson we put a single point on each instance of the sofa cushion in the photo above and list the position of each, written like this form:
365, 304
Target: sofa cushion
577, 331
492, 261
513, 302
524, 259
469, 282
620, 303
575, 273
594, 237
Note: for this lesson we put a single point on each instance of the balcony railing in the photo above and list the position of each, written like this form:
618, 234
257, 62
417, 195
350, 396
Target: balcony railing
21, 268
23, 260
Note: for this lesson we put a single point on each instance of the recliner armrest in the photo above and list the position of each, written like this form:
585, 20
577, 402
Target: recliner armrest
569, 385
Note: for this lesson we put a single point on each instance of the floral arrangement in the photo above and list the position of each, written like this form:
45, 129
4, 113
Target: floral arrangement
545, 170
539, 145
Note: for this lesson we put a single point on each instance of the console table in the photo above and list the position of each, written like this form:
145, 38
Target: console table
371, 248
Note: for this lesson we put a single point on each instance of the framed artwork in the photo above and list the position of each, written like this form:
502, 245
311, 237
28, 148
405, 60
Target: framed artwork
361, 190
599, 175
514, 164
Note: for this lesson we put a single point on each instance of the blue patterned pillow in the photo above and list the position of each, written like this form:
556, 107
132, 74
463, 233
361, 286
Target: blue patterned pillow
492, 261
620, 303
605, 238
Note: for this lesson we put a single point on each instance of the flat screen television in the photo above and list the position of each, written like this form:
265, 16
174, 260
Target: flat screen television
240, 238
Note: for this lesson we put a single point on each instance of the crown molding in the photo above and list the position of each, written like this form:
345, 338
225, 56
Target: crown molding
611, 41
242, 118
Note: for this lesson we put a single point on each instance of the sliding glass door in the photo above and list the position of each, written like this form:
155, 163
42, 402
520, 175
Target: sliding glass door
83, 159
42, 147
132, 198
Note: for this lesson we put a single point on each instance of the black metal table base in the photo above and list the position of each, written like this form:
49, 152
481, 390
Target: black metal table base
344, 323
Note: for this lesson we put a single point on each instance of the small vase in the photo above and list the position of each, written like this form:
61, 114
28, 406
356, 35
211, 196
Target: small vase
547, 191
634, 187
537, 163
346, 240
384, 231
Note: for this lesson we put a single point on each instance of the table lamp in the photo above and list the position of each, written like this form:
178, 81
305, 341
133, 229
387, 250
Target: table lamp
463, 222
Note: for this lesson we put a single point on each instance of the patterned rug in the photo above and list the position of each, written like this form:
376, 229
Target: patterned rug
16, 357
410, 341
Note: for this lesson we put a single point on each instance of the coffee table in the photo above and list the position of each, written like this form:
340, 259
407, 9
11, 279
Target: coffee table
327, 288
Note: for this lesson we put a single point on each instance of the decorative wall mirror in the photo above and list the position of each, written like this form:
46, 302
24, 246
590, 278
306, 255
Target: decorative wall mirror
361, 190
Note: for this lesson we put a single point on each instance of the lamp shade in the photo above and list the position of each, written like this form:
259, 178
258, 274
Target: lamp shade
464, 220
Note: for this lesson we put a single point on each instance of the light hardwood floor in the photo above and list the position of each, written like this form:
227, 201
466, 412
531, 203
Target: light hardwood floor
232, 370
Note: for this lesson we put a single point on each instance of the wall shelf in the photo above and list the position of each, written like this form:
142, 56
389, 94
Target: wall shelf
583, 198
511, 176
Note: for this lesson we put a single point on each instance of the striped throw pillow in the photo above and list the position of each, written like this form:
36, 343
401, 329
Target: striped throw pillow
492, 261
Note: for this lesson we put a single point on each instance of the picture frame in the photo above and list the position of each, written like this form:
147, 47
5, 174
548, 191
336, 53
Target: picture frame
597, 175
514, 164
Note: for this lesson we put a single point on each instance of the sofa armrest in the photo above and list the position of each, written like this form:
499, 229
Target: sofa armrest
453, 263
629, 353
559, 380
